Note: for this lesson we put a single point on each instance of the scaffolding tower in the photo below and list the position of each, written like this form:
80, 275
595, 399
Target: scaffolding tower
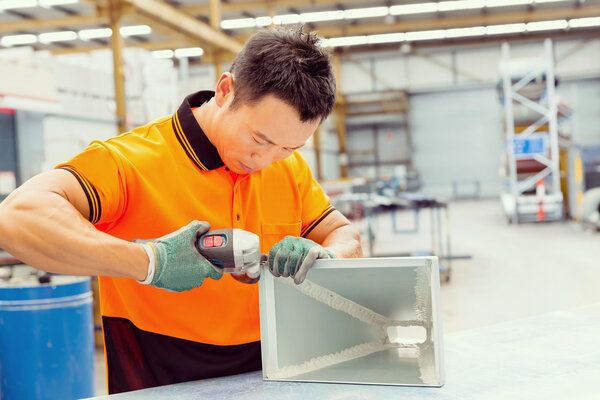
533, 190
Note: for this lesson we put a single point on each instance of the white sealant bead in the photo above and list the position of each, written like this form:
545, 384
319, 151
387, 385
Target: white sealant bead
327, 360
339, 302
423, 294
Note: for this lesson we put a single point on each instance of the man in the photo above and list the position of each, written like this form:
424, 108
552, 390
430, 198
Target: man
224, 159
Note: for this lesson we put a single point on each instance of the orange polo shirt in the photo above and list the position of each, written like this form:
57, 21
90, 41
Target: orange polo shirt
157, 178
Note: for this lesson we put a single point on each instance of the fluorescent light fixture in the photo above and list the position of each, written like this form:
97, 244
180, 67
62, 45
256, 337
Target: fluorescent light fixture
50, 3
60, 36
505, 28
503, 3
369, 12
459, 5
386, 38
286, 19
162, 54
135, 30
584, 22
238, 23
322, 16
426, 35
263, 21
15, 40
10, 4
547, 25
189, 52
88, 34
413, 8
464, 32
345, 41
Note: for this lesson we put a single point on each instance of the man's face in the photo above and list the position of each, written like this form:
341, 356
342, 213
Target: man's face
251, 137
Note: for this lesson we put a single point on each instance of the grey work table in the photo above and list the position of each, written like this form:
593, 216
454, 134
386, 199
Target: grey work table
552, 356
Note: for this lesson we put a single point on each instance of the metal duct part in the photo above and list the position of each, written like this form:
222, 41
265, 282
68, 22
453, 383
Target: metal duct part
370, 321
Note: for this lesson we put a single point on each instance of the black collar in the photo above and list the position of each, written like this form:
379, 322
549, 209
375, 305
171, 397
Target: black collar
191, 137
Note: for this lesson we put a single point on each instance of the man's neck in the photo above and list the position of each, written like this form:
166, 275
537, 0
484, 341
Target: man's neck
203, 115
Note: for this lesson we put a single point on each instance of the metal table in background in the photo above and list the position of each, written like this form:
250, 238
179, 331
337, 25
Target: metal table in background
551, 356
374, 204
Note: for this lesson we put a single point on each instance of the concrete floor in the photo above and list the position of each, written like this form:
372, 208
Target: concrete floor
515, 271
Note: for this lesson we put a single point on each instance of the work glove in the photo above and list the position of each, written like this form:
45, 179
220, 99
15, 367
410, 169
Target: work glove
293, 256
178, 264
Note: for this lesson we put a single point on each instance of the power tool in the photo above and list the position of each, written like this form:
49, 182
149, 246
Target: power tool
234, 251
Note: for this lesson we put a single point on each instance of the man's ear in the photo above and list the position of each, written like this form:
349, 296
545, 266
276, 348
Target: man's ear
224, 89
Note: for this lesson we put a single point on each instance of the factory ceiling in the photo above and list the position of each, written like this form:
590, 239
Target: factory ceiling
205, 29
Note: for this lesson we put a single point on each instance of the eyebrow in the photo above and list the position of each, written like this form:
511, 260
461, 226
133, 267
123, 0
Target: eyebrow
266, 139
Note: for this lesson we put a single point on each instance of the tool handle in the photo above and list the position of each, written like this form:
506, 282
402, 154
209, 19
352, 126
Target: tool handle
217, 247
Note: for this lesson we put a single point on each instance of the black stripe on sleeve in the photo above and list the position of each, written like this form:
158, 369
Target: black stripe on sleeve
89, 191
98, 205
312, 225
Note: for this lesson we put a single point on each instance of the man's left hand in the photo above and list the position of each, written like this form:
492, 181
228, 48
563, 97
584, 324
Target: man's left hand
293, 256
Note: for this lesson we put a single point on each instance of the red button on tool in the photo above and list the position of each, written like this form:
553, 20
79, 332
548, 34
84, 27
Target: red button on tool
208, 241
218, 241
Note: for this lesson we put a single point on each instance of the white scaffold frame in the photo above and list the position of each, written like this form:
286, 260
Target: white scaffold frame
518, 206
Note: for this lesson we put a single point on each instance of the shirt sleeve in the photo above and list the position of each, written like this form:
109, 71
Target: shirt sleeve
101, 176
315, 203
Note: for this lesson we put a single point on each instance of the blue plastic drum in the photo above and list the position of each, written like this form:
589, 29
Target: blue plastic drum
46, 340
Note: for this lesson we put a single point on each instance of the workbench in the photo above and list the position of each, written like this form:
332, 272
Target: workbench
552, 356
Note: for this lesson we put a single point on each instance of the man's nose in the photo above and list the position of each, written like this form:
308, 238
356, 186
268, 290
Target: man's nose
264, 157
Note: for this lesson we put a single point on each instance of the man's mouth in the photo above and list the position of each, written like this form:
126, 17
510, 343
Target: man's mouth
246, 168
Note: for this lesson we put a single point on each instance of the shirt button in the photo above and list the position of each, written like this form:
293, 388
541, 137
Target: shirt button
237, 217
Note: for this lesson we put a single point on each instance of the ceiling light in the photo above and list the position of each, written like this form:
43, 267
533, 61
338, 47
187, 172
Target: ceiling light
60, 36
238, 23
459, 5
386, 38
15, 40
135, 30
263, 21
503, 3
426, 35
162, 54
505, 28
322, 16
286, 19
414, 8
50, 3
584, 22
345, 41
547, 25
10, 4
464, 32
89, 34
189, 52
366, 12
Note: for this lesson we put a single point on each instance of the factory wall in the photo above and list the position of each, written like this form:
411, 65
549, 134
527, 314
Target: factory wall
455, 118
458, 141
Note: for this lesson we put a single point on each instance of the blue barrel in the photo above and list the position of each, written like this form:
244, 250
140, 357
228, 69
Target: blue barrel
46, 340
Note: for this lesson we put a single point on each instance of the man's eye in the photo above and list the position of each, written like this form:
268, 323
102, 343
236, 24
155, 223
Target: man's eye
255, 141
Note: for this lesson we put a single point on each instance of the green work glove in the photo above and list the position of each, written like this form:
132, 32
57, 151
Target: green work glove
293, 256
178, 264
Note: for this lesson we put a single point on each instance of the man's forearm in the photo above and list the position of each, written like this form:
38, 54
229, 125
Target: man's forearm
344, 242
42, 229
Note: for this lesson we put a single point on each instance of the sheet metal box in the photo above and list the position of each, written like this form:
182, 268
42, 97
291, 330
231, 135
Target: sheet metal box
384, 327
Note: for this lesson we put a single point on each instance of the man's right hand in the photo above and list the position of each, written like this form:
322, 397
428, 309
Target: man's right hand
178, 264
